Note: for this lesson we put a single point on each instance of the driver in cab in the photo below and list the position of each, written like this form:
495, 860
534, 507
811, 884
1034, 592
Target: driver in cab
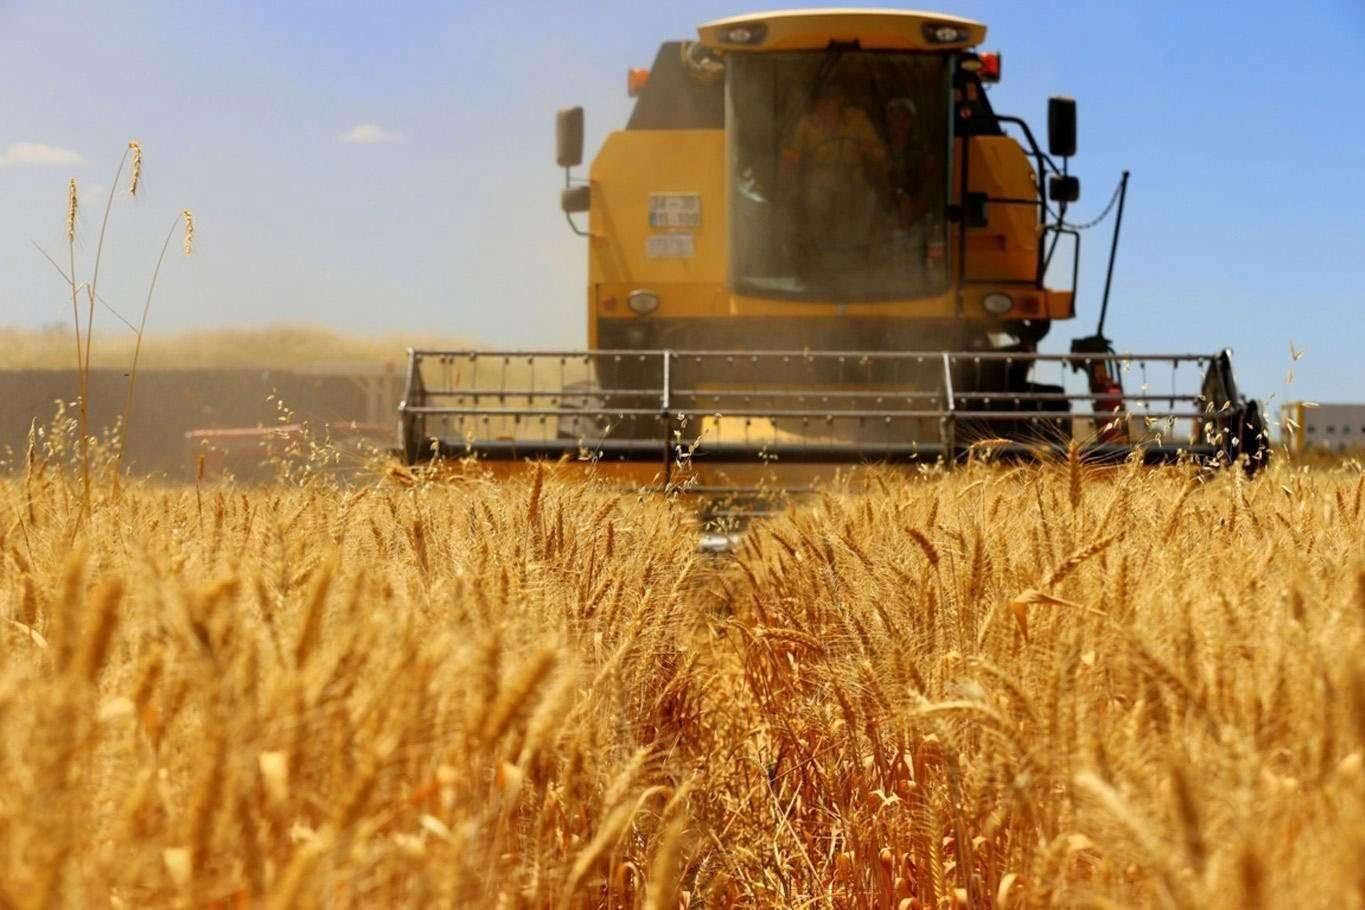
835, 158
833, 136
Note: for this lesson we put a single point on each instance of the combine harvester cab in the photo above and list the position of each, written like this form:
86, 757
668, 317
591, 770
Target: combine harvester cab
816, 244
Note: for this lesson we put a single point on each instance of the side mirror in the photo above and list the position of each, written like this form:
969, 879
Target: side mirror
1064, 189
1061, 126
575, 199
569, 137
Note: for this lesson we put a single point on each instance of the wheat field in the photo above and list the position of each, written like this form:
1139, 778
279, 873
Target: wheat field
992, 687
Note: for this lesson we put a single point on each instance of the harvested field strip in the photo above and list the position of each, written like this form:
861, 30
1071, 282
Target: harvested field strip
280, 347
995, 687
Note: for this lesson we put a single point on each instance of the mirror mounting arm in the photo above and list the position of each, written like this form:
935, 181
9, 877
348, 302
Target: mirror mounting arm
568, 154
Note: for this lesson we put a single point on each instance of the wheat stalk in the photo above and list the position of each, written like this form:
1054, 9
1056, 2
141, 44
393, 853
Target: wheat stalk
527, 716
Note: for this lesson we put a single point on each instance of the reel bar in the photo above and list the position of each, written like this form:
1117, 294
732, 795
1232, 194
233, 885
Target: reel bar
812, 407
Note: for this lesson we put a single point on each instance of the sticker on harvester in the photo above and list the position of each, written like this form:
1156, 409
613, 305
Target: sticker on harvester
675, 210
670, 246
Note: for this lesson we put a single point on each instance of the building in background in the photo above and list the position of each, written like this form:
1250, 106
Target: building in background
1325, 427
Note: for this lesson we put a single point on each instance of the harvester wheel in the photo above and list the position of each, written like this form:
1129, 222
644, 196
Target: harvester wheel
1040, 420
630, 384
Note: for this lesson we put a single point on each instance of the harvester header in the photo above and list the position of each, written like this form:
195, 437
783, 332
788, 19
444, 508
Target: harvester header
816, 241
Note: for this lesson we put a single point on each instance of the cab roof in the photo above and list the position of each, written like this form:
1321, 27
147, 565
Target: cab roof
816, 29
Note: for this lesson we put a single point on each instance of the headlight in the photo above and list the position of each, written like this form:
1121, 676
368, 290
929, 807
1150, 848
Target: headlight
997, 304
754, 33
642, 302
943, 33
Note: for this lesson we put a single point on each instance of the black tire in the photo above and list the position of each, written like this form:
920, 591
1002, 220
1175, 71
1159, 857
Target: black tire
630, 383
1040, 420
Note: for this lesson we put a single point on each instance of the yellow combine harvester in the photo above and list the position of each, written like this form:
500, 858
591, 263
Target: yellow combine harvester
816, 243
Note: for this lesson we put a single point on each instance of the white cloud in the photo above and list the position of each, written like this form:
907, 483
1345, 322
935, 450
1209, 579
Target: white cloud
369, 134
35, 154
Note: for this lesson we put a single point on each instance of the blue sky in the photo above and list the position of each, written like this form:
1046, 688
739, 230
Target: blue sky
1242, 124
